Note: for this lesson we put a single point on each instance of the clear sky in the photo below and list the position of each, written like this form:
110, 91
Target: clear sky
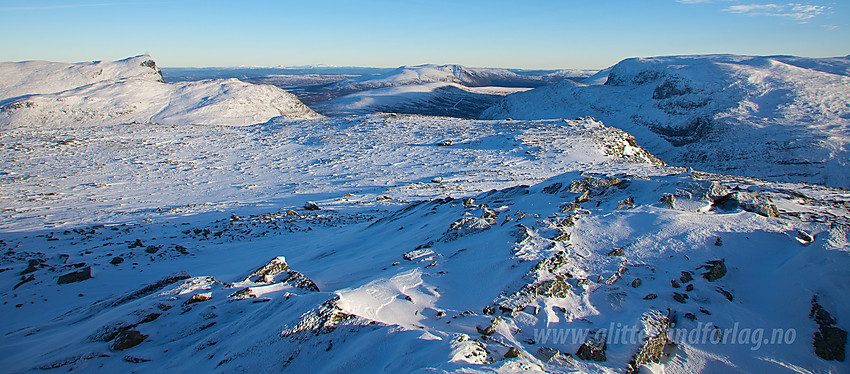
551, 34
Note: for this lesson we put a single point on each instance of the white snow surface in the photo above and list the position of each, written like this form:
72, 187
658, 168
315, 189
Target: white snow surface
38, 93
360, 244
779, 117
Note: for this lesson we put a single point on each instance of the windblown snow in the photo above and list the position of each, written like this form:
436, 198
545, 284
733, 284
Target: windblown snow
394, 243
783, 118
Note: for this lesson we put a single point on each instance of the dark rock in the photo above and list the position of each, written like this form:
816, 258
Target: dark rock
24, 279
546, 354
489, 330
616, 252
513, 353
830, 343
704, 311
718, 242
137, 243
593, 348
716, 270
668, 200
28, 270
128, 339
445, 143
675, 284
636, 283
554, 188
197, 298
311, 206
76, 276
680, 297
135, 360
116, 260
690, 316
686, 277
650, 296
726, 294
689, 288
489, 310
627, 203
151, 249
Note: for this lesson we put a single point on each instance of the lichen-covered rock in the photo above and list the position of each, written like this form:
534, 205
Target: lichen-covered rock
655, 327
320, 320
467, 226
668, 200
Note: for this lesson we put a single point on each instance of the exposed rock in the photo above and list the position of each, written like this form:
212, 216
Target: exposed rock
200, 297
546, 354
489, 330
686, 277
128, 339
830, 342
838, 235
513, 352
726, 294
689, 288
445, 143
116, 260
668, 200
627, 203
321, 320
675, 284
655, 327
24, 279
650, 296
804, 238
716, 269
594, 347
311, 206
718, 242
553, 188
278, 271
76, 276
152, 249
680, 297
636, 283
137, 243
755, 203
467, 226
616, 252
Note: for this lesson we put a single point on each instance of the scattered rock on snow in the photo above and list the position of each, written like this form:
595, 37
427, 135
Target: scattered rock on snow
76, 276
716, 270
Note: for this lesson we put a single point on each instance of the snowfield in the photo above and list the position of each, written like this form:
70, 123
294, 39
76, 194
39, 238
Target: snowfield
783, 118
396, 243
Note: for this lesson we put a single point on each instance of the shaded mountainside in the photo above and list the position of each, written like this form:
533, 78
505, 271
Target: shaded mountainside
132, 90
437, 99
784, 118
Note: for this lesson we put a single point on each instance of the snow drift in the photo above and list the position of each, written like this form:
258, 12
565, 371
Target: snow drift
38, 93
777, 117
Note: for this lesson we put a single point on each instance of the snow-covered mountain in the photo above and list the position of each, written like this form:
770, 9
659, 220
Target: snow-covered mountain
519, 246
778, 117
438, 98
39, 93
407, 243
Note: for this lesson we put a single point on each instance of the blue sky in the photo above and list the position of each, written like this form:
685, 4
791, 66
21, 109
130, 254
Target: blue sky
549, 34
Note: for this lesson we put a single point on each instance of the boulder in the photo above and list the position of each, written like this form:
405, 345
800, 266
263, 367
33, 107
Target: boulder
76, 276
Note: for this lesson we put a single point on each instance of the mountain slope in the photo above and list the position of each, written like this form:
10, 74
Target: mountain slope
132, 90
584, 238
784, 118
438, 99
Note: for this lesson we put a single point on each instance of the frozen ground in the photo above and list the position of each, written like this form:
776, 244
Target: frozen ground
432, 244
